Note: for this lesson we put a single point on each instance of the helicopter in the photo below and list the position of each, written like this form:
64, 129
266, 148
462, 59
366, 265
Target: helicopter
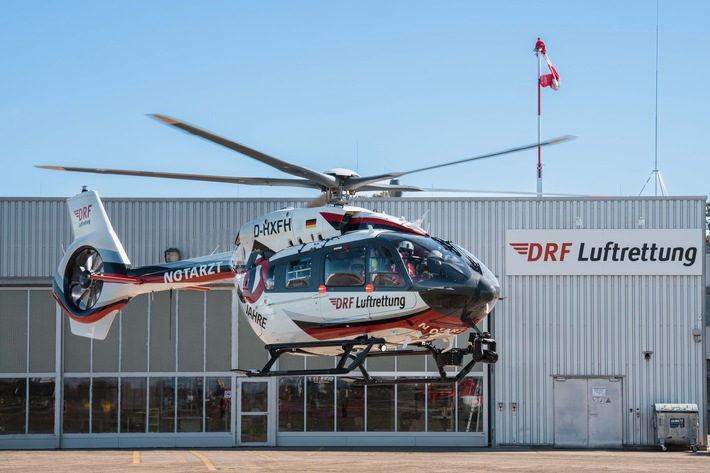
328, 279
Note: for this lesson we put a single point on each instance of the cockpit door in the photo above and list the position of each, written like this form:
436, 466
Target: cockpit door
344, 276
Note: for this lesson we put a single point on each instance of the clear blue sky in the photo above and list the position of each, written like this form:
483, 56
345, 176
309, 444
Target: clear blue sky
368, 85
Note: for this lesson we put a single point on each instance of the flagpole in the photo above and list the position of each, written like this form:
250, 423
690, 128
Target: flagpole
539, 124
551, 80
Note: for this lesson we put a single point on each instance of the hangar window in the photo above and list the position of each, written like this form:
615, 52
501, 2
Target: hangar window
316, 404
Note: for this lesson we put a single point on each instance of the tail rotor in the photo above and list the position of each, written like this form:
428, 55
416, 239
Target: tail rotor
84, 291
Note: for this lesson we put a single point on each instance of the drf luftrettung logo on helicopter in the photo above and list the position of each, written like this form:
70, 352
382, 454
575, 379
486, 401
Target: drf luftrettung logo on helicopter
82, 214
355, 302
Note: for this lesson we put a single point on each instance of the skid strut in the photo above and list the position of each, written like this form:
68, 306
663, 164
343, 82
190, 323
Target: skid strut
481, 347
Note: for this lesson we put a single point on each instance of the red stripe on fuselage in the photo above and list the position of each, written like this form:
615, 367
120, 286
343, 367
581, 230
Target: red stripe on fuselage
94, 317
430, 323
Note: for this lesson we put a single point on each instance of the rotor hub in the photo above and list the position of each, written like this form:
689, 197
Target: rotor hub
85, 280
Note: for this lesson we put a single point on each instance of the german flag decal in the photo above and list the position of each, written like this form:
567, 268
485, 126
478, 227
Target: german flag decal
311, 223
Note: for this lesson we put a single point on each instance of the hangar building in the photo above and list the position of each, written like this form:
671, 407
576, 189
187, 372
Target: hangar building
603, 316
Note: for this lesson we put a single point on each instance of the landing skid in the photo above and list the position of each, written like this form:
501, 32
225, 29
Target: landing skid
481, 347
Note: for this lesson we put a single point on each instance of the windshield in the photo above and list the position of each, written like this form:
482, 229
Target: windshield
428, 260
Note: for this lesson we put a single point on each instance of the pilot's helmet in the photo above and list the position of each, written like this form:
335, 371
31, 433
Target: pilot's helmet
406, 246
434, 263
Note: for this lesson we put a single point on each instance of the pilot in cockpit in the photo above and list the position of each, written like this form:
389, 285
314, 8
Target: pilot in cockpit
406, 251
433, 263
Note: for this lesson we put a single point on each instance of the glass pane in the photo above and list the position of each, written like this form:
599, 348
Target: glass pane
105, 353
380, 408
411, 363
411, 407
291, 404
383, 270
219, 331
104, 412
189, 405
350, 412
42, 331
191, 330
13, 332
321, 404
133, 404
442, 410
77, 351
345, 267
134, 335
298, 273
250, 347
162, 331
41, 405
254, 428
12, 406
76, 405
161, 416
292, 362
255, 396
217, 404
470, 404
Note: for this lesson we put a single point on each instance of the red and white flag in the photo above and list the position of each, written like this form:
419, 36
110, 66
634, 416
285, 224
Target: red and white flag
547, 80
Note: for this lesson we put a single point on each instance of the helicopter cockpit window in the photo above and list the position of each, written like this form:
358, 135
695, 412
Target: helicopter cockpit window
345, 266
383, 269
430, 260
298, 273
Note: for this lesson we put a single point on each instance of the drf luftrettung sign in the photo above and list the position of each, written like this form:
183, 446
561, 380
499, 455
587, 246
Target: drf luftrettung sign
604, 252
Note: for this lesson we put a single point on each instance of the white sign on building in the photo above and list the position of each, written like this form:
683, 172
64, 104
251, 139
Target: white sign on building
604, 252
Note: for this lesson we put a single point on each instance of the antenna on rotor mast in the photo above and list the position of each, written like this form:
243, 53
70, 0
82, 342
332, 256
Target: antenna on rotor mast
658, 181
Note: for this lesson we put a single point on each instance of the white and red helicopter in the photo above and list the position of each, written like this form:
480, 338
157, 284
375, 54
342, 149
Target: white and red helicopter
329, 279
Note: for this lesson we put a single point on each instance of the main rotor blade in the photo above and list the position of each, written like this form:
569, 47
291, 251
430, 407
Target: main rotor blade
408, 188
391, 187
323, 180
356, 183
479, 191
251, 181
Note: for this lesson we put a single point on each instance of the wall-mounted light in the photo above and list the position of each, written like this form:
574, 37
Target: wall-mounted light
641, 222
697, 335
578, 222
172, 255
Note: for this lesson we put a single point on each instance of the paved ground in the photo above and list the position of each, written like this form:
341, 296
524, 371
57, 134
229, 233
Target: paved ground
354, 459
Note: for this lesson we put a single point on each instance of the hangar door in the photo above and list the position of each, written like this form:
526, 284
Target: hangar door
588, 412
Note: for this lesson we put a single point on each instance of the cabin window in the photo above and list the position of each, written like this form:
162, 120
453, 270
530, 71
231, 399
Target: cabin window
383, 268
269, 284
345, 266
298, 273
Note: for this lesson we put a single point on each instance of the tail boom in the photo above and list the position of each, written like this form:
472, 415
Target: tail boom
95, 280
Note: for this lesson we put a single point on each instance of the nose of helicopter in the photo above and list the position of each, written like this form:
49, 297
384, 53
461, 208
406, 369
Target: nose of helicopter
473, 299
488, 290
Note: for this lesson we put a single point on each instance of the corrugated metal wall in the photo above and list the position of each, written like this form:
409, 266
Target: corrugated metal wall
582, 325
547, 326
34, 232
